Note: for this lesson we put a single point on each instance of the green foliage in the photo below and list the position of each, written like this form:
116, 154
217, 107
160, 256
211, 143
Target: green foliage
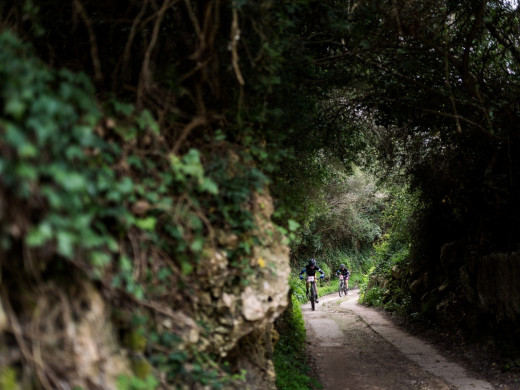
364, 282
135, 383
346, 218
8, 378
289, 354
297, 288
91, 197
373, 296
56, 112
112, 189
46, 133
328, 288
357, 262
392, 252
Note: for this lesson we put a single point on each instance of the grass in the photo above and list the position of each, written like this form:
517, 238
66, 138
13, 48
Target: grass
328, 289
289, 354
331, 287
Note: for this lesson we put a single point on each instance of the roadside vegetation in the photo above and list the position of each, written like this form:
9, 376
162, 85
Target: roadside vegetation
136, 138
292, 371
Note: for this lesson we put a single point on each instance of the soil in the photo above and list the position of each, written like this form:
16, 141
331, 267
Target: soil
351, 346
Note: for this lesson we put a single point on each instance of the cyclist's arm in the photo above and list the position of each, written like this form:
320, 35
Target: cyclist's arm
302, 271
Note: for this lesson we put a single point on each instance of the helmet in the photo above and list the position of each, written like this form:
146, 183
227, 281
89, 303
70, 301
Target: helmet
312, 262
342, 265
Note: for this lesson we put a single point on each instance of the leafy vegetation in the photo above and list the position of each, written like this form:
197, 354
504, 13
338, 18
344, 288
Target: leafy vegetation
344, 224
135, 138
431, 89
131, 178
289, 356
385, 285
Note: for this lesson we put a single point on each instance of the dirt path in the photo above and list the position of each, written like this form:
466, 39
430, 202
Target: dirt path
355, 347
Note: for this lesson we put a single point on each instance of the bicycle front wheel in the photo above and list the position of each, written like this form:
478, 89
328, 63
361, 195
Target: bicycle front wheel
340, 288
313, 296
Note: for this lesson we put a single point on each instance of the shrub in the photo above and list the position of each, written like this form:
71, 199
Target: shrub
373, 296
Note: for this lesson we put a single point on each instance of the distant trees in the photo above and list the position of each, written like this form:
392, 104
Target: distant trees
430, 91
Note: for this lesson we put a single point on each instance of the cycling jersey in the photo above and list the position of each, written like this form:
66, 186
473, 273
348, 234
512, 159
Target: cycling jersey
311, 271
343, 272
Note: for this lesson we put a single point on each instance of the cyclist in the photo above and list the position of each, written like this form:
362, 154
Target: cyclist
311, 269
345, 272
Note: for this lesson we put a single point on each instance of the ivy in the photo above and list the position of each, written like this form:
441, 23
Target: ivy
99, 200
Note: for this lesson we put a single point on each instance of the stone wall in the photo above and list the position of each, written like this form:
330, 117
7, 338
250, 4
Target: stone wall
492, 283
241, 316
68, 331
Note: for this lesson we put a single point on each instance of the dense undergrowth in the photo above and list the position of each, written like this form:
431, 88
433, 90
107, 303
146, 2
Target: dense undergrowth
359, 266
136, 139
92, 190
385, 284
85, 183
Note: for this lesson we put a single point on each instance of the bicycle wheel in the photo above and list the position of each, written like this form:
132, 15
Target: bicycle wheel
313, 296
341, 288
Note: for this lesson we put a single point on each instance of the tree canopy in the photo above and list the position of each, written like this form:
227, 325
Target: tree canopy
136, 137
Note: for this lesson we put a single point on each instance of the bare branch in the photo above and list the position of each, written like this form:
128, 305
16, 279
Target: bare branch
145, 78
196, 122
235, 37
94, 52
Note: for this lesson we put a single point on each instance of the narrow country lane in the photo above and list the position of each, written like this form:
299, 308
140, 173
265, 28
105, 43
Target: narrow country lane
355, 347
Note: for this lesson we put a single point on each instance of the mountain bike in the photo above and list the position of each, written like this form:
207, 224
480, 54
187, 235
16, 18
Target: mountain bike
314, 293
342, 288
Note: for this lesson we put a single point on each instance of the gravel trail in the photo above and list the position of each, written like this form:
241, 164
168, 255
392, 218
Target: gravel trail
354, 347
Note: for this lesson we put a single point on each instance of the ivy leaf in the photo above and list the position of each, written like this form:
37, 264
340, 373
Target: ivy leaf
293, 225
100, 259
126, 185
65, 241
197, 245
123, 108
70, 181
125, 264
208, 185
146, 223
16, 108
186, 268
39, 235
146, 121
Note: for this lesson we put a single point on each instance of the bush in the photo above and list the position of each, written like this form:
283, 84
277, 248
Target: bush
374, 296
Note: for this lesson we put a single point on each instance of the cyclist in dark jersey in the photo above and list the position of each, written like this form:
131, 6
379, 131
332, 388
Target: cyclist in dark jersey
345, 272
311, 269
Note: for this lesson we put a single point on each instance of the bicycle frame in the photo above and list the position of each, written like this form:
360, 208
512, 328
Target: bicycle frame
314, 291
342, 285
